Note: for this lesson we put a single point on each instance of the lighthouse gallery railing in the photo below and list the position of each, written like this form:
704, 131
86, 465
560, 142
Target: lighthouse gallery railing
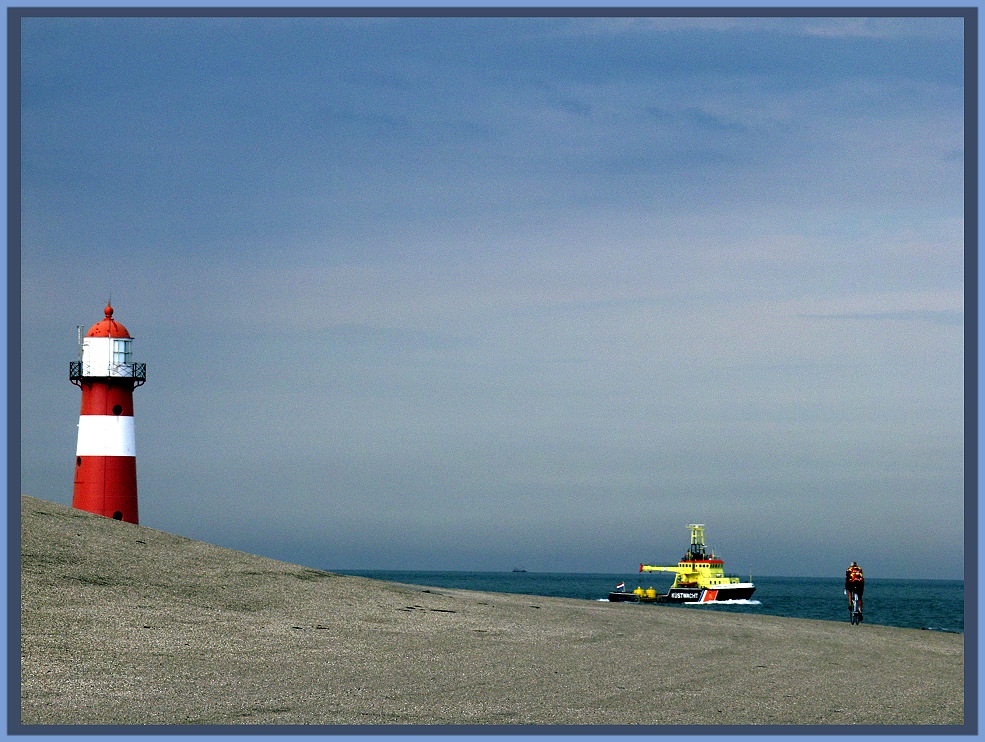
135, 371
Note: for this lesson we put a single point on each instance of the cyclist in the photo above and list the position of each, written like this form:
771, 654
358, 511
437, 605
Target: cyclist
854, 584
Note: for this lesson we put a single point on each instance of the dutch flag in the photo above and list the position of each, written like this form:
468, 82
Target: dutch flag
621, 586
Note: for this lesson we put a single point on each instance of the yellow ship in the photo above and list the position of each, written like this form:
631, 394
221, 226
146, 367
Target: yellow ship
699, 578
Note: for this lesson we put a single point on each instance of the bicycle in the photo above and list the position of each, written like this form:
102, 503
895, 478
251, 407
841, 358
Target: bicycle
855, 613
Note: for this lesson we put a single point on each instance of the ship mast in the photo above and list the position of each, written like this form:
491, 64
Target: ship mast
697, 548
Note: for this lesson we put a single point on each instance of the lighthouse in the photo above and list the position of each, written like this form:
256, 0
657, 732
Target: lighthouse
106, 455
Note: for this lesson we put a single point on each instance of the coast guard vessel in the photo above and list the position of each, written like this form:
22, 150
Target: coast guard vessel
699, 578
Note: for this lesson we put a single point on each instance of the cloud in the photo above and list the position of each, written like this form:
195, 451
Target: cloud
949, 318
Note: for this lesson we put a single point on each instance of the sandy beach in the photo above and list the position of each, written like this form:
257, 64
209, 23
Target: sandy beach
127, 625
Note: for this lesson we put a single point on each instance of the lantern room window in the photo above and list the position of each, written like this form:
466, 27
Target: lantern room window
121, 352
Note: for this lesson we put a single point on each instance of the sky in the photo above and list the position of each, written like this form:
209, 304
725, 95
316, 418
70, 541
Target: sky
484, 293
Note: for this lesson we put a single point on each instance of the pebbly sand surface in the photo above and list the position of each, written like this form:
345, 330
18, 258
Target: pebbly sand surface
126, 625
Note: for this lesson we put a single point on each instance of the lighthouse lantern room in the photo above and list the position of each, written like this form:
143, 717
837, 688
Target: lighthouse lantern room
106, 456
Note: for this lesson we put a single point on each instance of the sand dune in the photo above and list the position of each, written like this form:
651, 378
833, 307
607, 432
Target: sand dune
127, 625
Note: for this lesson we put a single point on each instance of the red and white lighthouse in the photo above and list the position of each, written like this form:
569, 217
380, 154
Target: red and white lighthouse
106, 456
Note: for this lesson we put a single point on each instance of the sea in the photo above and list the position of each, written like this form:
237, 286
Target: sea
932, 605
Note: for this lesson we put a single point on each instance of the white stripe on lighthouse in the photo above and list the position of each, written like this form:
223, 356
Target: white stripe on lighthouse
106, 435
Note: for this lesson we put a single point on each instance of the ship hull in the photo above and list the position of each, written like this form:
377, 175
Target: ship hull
617, 597
738, 591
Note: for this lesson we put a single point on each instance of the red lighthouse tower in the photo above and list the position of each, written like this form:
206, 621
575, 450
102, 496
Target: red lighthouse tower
106, 456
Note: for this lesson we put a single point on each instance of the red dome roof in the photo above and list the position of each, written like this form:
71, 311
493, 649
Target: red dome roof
108, 328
